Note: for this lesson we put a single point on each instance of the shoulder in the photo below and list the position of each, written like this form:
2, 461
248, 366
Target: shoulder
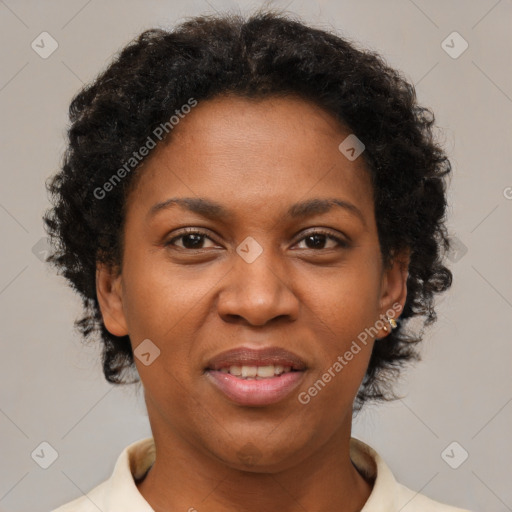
120, 491
412, 501
387, 494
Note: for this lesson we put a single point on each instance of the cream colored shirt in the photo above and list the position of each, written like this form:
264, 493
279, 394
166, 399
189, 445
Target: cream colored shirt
120, 494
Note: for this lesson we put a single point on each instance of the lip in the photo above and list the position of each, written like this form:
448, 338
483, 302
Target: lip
256, 392
244, 356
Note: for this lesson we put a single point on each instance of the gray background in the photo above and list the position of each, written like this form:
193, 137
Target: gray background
52, 386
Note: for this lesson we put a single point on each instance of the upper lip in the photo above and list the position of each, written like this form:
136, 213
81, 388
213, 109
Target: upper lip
244, 356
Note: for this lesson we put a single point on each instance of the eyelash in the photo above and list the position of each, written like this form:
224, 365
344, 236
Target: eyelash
193, 231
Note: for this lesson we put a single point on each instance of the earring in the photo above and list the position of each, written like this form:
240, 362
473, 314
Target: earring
392, 322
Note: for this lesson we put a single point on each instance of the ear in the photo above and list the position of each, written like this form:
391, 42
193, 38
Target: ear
394, 288
110, 298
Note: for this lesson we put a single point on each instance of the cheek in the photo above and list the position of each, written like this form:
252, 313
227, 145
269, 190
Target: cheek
346, 299
344, 306
159, 297
342, 356
167, 305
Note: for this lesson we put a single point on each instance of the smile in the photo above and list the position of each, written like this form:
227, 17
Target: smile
253, 377
255, 391
256, 372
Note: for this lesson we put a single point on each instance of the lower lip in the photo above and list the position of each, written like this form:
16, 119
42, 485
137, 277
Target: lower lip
255, 392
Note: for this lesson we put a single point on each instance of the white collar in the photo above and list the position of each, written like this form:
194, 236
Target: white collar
120, 494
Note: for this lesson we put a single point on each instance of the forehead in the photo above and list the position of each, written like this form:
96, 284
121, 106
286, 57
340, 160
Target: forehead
254, 153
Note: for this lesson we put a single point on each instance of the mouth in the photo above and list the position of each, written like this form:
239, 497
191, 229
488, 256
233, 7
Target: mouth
256, 377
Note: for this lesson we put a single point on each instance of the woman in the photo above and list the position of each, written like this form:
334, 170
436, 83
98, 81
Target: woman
252, 211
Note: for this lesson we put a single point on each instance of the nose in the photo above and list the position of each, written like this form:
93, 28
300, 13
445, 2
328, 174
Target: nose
257, 293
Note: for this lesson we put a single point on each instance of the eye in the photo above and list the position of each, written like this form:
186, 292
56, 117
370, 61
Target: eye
317, 240
191, 239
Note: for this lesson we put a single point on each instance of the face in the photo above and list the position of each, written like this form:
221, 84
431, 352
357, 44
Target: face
251, 230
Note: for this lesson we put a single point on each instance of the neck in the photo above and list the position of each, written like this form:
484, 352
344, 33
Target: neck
183, 479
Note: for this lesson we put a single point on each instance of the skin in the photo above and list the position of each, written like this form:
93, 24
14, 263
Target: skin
256, 158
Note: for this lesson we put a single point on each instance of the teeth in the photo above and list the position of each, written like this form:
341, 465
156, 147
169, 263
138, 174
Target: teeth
257, 372
249, 371
235, 370
265, 371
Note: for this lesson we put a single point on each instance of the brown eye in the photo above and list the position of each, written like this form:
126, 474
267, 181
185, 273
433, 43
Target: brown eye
318, 239
192, 239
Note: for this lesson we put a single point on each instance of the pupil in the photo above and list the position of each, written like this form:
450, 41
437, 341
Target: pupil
195, 244
319, 241
193, 241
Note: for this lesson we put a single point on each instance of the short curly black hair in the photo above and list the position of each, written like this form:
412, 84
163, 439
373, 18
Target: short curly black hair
267, 54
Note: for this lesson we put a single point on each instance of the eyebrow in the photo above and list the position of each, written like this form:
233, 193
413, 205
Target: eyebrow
215, 211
